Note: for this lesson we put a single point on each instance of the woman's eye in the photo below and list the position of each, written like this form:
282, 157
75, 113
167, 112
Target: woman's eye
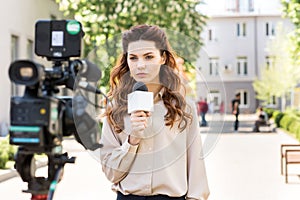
132, 58
148, 57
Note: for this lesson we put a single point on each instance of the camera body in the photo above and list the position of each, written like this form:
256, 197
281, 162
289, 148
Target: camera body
58, 39
35, 122
40, 119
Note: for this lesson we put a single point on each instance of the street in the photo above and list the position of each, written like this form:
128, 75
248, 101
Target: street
82, 180
240, 166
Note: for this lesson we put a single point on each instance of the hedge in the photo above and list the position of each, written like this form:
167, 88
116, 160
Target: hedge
269, 112
7, 152
289, 121
277, 116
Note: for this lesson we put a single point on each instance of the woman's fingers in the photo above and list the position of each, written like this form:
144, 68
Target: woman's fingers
139, 122
140, 114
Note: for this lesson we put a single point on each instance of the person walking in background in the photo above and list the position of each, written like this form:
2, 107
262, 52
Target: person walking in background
236, 111
152, 155
222, 108
203, 108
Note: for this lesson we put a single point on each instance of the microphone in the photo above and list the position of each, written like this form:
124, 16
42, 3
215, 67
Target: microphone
140, 98
88, 70
139, 86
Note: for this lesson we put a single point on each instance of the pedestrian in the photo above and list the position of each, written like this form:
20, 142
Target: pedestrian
152, 155
222, 108
262, 119
235, 103
203, 108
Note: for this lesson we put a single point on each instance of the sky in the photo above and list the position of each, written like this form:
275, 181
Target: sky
218, 6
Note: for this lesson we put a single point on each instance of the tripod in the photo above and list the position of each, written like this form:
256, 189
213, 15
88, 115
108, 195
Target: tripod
41, 188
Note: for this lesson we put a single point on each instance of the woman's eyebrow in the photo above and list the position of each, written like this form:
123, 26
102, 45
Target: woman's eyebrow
145, 54
148, 53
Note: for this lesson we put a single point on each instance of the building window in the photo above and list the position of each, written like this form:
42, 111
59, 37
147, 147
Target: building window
214, 100
14, 47
242, 66
214, 66
251, 5
209, 34
244, 101
270, 29
273, 100
232, 6
30, 49
239, 5
241, 29
270, 61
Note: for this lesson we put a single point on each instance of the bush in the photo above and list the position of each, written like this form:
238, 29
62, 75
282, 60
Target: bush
269, 112
294, 128
7, 152
297, 114
3, 158
286, 121
277, 115
289, 121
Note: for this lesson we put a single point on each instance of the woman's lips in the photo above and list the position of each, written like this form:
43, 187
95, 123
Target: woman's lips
141, 75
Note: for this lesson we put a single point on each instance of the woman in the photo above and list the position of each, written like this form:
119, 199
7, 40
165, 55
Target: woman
152, 155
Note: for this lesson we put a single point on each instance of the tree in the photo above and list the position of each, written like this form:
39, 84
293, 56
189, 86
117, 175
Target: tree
291, 9
104, 20
279, 78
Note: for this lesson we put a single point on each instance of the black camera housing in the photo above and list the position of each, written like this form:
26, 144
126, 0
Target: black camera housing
58, 39
40, 118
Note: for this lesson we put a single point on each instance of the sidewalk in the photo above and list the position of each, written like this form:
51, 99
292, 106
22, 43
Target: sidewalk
246, 165
240, 166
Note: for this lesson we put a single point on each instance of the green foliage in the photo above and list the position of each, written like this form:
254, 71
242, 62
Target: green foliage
289, 121
294, 128
291, 9
269, 112
286, 121
3, 158
283, 75
7, 152
104, 20
277, 115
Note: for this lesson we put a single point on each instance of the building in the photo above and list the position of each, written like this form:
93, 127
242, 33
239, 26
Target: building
17, 24
235, 41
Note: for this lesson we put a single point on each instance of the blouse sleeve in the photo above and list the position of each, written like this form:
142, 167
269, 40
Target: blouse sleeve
197, 179
116, 157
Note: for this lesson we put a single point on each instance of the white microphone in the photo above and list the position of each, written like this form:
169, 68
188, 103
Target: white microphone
140, 98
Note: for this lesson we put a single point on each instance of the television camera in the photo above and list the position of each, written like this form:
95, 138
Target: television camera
40, 118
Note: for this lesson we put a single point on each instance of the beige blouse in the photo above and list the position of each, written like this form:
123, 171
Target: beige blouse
165, 162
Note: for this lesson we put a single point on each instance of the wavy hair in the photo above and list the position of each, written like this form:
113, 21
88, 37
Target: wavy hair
121, 82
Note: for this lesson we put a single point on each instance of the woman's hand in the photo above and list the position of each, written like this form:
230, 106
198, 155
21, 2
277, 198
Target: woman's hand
138, 121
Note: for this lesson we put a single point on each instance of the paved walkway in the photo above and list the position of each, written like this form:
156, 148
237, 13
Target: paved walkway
240, 166
246, 165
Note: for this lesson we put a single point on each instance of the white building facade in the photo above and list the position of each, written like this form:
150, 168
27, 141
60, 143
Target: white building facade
18, 18
235, 43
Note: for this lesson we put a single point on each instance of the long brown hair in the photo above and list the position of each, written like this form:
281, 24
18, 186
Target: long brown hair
121, 82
